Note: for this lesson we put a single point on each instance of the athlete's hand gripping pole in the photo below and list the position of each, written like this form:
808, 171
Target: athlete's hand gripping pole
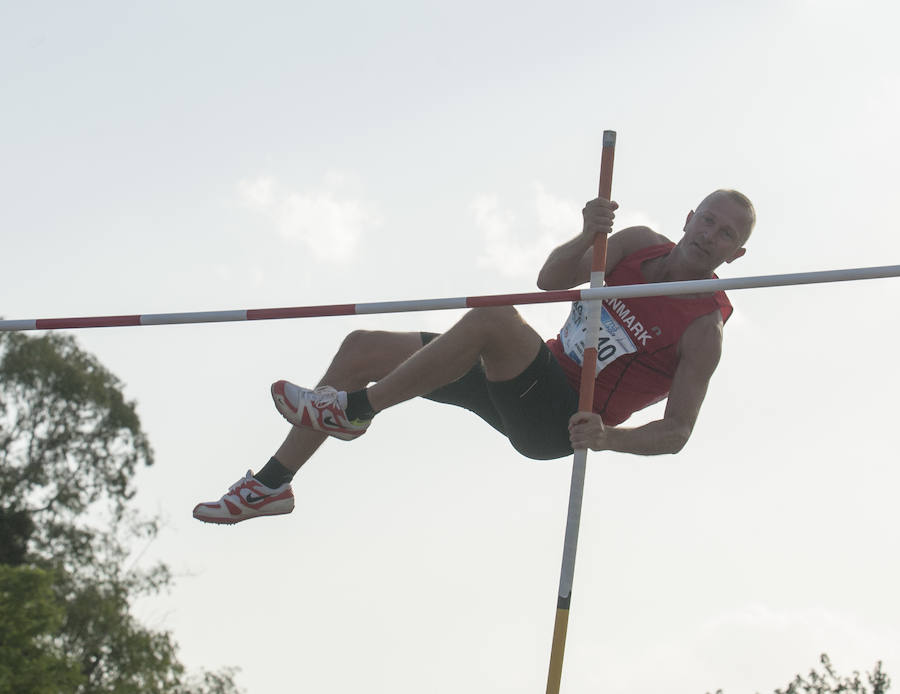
585, 404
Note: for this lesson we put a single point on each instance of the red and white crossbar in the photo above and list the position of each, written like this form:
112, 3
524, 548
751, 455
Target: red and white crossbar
549, 297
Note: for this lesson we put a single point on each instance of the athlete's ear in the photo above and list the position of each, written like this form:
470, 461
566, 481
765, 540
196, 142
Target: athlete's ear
689, 216
737, 254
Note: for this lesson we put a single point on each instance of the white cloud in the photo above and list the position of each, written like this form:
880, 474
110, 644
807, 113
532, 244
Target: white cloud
519, 249
259, 192
495, 225
329, 220
561, 218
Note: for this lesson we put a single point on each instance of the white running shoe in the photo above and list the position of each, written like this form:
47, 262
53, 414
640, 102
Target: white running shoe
321, 409
247, 498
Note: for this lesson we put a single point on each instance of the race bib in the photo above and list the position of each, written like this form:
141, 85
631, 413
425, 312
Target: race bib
613, 343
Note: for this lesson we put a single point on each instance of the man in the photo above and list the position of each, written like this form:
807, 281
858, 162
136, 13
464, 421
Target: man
496, 365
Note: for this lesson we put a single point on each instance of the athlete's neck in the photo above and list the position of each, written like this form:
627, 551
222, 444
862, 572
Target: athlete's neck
672, 268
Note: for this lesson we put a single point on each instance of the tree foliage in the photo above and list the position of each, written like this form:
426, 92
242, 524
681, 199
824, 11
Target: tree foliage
31, 660
828, 681
70, 445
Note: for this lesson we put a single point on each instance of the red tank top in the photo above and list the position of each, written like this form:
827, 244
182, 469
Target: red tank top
638, 349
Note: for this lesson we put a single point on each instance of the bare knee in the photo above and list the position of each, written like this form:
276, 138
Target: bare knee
359, 349
499, 317
507, 343
355, 344
495, 322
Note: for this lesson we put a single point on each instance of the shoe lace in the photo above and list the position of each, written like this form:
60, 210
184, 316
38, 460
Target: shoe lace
323, 396
240, 483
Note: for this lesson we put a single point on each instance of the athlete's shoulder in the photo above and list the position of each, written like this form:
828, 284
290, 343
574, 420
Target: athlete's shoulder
642, 236
630, 240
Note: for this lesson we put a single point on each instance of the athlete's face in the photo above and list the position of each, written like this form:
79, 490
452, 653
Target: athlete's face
716, 231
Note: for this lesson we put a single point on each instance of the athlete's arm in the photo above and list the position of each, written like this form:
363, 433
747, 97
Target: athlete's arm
569, 265
699, 351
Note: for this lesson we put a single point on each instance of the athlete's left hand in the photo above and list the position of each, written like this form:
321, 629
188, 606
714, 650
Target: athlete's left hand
586, 430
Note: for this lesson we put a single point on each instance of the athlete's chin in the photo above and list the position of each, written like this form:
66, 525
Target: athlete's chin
700, 254
701, 268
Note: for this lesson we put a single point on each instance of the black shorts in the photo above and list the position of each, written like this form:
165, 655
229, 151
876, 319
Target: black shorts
531, 410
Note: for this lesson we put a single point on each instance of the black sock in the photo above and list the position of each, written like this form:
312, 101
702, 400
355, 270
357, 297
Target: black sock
358, 405
274, 474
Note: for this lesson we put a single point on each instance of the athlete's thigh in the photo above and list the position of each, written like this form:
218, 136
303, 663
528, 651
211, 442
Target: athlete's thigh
514, 346
469, 391
535, 408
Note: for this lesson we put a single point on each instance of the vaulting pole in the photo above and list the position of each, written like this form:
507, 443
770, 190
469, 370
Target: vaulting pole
585, 404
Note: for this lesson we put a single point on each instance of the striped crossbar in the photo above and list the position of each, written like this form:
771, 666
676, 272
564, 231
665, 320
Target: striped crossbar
556, 296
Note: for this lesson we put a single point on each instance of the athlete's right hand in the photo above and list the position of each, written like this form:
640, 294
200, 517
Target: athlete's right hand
587, 430
598, 215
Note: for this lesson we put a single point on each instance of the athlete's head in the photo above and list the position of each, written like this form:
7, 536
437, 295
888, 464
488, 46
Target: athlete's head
738, 199
720, 226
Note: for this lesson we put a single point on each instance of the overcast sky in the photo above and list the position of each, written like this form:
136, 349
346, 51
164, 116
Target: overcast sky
161, 157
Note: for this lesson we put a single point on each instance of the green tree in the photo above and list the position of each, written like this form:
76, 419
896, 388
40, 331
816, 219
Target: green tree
828, 681
70, 445
30, 658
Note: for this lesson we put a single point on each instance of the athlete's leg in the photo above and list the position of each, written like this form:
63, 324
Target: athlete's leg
401, 369
363, 357
498, 336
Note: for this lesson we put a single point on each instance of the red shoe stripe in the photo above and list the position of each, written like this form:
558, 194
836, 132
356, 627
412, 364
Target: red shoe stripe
279, 392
